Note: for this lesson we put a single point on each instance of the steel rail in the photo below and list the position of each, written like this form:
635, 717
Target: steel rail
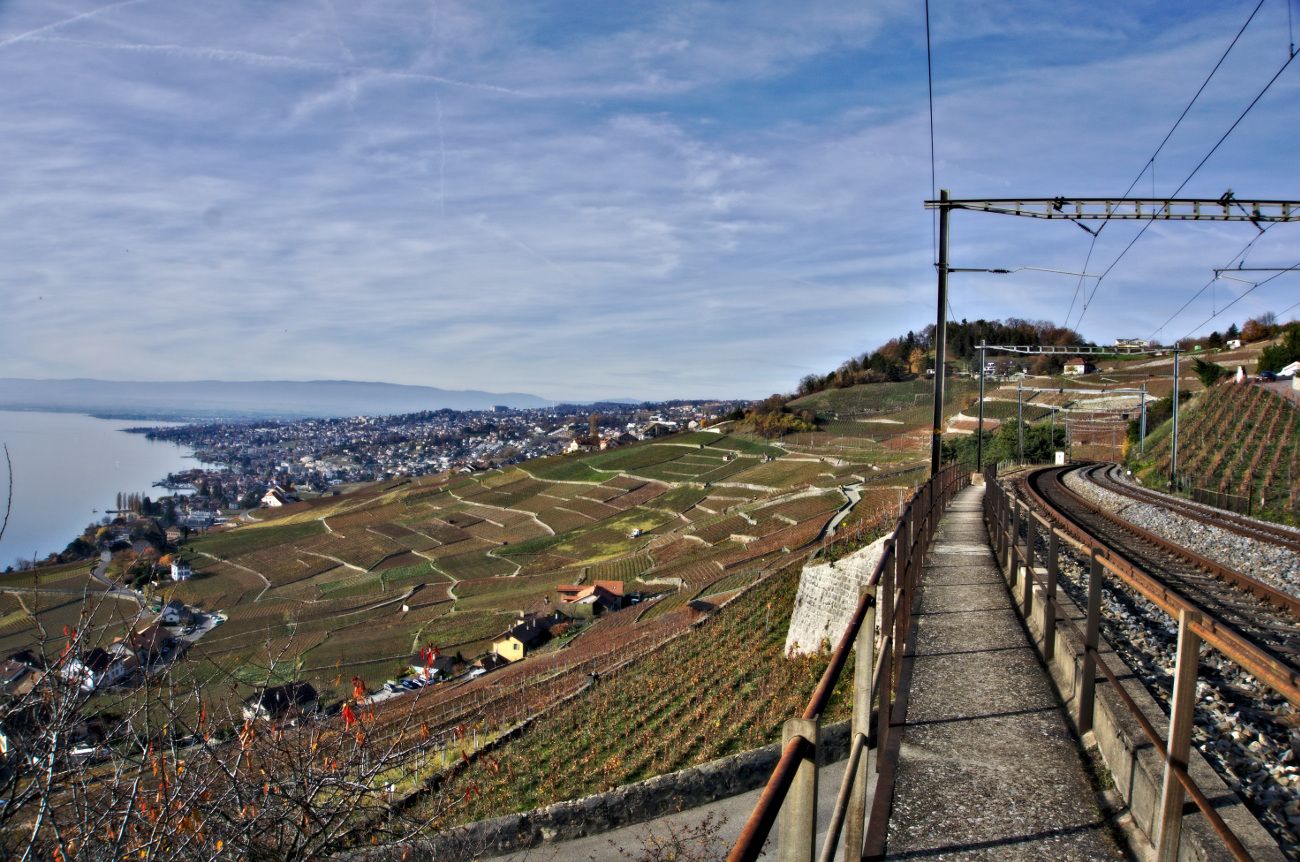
1260, 590
1244, 582
1289, 539
1267, 668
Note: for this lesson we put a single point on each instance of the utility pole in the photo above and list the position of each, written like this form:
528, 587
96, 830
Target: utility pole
940, 337
979, 429
1020, 425
1173, 457
1142, 426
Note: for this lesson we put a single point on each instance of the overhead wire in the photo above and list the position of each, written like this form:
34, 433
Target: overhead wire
934, 185
1239, 256
1243, 295
1147, 225
1150, 164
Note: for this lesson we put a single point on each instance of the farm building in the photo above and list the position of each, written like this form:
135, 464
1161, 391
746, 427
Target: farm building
1079, 365
99, 667
427, 666
529, 633
175, 613
579, 601
279, 701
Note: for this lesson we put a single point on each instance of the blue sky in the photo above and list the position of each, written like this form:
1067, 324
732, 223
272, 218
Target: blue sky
594, 199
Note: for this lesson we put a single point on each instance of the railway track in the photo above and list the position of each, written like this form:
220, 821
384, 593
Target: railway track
1262, 624
1110, 480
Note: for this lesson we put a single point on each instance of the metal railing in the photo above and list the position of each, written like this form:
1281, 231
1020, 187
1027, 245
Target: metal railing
1005, 515
879, 631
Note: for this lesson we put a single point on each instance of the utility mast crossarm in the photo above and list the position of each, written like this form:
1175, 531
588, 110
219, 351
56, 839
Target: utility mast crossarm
1226, 208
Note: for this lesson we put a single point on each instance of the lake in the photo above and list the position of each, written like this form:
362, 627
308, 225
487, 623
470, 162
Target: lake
65, 466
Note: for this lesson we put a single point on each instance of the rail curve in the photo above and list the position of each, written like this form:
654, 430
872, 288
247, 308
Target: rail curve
1252, 623
1110, 479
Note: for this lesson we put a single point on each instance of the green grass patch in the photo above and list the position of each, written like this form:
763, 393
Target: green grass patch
565, 469
243, 540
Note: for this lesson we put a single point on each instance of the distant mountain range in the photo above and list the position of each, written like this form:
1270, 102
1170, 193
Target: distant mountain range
209, 399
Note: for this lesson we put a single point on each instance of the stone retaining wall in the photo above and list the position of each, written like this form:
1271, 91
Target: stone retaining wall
623, 806
827, 597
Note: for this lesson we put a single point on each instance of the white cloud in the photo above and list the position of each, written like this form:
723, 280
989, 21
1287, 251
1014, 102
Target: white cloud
666, 201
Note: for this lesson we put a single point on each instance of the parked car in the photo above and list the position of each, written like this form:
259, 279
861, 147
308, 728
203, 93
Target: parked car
1265, 376
410, 684
392, 685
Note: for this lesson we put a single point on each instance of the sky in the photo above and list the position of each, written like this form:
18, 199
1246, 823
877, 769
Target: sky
589, 200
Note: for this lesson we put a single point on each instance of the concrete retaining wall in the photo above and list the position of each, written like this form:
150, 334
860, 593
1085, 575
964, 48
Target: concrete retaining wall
827, 597
623, 806
1133, 763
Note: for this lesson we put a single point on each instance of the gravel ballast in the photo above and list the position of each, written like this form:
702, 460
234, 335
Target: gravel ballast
1250, 734
1268, 562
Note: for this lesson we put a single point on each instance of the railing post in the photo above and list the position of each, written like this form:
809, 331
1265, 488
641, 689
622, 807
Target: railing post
1088, 679
796, 842
1013, 533
864, 663
995, 515
1013, 564
1049, 616
1181, 709
885, 691
1031, 525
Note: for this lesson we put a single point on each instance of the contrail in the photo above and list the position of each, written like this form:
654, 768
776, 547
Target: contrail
253, 58
442, 153
484, 224
219, 54
434, 37
338, 34
4, 43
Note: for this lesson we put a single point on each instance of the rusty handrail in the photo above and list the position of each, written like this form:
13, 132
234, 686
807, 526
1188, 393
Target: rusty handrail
826, 685
939, 488
1231, 842
759, 825
1222, 637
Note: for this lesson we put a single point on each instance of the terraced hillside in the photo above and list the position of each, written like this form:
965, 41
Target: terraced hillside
352, 585
1239, 440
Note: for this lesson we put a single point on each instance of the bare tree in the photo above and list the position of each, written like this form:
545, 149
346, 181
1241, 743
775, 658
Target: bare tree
149, 770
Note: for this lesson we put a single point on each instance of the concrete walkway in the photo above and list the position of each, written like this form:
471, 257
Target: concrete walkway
706, 832
987, 768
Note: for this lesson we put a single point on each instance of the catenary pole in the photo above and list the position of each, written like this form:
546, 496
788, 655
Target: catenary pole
1173, 457
940, 337
1142, 431
1020, 424
979, 430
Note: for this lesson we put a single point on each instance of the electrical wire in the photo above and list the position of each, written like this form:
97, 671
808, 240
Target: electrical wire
1150, 163
1183, 184
1244, 294
934, 185
1239, 256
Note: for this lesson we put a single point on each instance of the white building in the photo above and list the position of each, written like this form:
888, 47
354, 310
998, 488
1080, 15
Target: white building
181, 571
